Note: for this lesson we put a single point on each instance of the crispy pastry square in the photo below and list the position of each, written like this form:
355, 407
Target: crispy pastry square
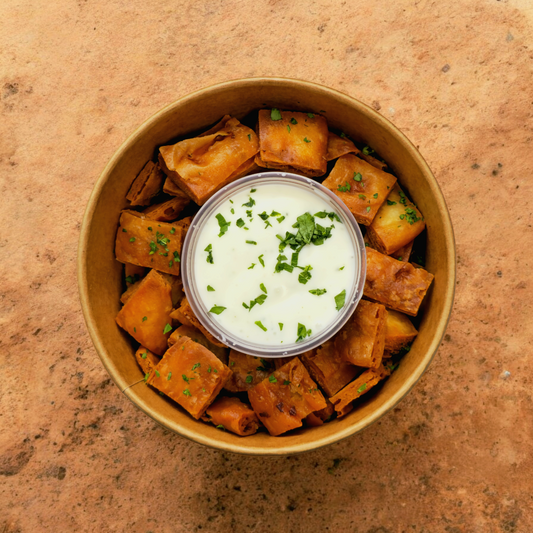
169, 210
247, 370
148, 243
286, 397
396, 224
327, 368
197, 336
339, 146
398, 285
146, 313
146, 185
342, 401
191, 375
362, 339
400, 331
360, 186
233, 415
296, 142
147, 360
202, 165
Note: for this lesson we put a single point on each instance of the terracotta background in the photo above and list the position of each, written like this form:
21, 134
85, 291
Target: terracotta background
77, 77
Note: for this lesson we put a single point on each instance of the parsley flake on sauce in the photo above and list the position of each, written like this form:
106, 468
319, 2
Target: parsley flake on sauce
217, 309
249, 203
224, 225
302, 332
251, 242
251, 266
318, 292
210, 289
263, 288
340, 300
209, 250
258, 323
240, 223
280, 324
261, 260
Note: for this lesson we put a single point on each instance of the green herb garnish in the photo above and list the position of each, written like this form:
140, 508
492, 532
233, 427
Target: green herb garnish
258, 323
272, 379
275, 114
362, 388
210, 289
217, 309
209, 250
344, 188
261, 260
340, 299
223, 224
318, 292
302, 332
167, 328
357, 176
251, 242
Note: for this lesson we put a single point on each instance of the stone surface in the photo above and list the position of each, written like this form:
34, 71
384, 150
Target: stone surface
77, 77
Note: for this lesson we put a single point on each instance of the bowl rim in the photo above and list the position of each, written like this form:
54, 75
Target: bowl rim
404, 388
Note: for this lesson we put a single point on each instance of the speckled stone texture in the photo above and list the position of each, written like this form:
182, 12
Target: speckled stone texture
77, 77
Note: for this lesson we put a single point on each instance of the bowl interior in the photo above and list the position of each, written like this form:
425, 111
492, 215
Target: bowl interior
100, 275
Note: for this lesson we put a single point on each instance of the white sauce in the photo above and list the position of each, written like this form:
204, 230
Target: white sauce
288, 301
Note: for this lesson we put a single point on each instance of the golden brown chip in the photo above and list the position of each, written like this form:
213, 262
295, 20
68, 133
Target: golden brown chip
202, 165
247, 371
286, 397
147, 360
398, 285
197, 336
297, 142
327, 368
400, 331
233, 415
342, 401
169, 210
148, 243
339, 146
191, 375
396, 224
362, 339
146, 314
146, 185
360, 186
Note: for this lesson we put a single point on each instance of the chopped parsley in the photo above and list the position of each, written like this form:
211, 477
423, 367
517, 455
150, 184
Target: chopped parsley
357, 176
263, 288
362, 388
185, 378
145, 318
332, 216
288, 128
144, 355
306, 140
310, 115
209, 251
172, 231
132, 239
293, 121
286, 382
411, 215
344, 188
305, 276
195, 366
403, 198
368, 209
275, 114
222, 224
169, 376
240, 223
318, 292
251, 242
302, 332
217, 309
342, 268
157, 374
261, 260
390, 202
251, 266
258, 323
249, 379
375, 195
340, 300
249, 136
210, 289
368, 151
168, 328
187, 392
249, 203
176, 257
272, 379
280, 324
220, 426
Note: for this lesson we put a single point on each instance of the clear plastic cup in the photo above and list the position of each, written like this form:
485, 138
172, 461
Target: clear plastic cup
353, 295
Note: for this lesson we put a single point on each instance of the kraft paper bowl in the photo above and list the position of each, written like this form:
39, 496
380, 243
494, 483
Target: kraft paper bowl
100, 276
